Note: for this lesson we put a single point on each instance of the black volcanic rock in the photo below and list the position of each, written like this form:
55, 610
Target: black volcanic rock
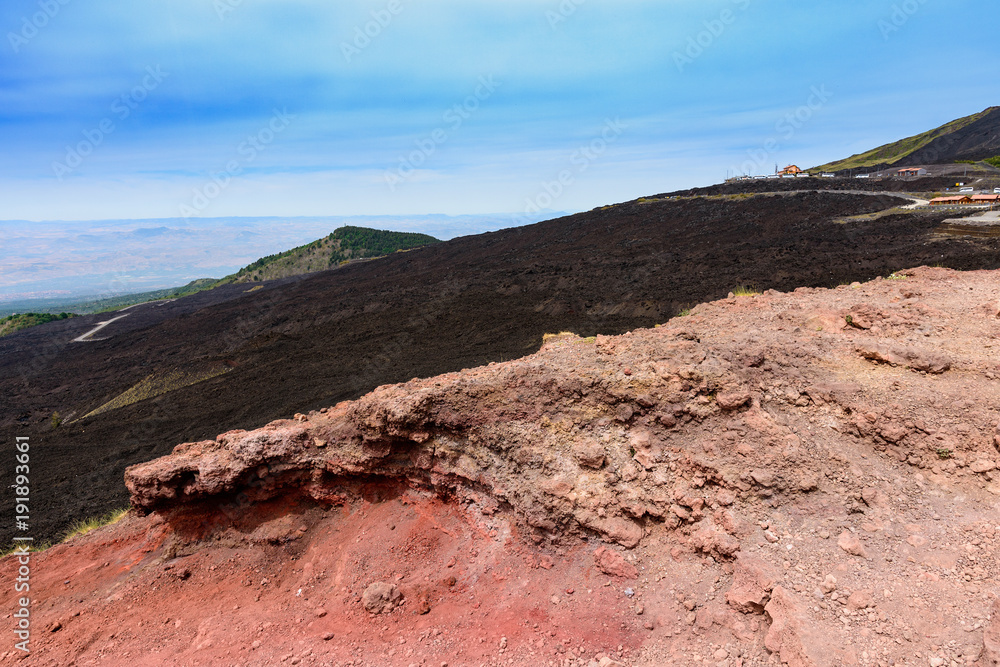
977, 141
307, 343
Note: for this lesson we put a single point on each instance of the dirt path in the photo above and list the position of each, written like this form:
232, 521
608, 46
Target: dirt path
917, 201
86, 338
988, 218
160, 302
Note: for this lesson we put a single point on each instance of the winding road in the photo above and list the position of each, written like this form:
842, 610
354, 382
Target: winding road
86, 338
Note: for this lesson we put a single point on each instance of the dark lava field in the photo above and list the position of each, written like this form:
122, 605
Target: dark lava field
303, 343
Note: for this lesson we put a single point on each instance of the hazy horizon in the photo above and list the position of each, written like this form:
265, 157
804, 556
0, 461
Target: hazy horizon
104, 258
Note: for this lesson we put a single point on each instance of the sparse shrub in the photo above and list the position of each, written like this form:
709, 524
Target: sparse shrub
16, 548
56, 420
944, 454
746, 290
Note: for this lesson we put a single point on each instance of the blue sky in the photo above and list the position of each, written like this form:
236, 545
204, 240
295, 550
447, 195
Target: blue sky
167, 108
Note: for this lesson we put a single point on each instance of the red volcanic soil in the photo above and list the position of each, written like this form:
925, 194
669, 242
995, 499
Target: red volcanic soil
300, 345
285, 587
808, 478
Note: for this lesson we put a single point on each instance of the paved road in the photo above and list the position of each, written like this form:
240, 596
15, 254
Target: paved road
917, 201
986, 219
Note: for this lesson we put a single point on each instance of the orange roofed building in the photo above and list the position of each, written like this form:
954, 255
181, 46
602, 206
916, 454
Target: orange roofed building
790, 170
951, 201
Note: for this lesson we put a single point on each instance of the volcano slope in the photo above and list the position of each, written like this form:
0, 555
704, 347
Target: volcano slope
806, 477
239, 358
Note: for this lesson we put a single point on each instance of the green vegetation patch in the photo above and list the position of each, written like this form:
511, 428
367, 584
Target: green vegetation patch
375, 242
340, 247
12, 323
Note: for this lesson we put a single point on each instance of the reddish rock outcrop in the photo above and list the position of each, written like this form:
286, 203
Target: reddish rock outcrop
777, 494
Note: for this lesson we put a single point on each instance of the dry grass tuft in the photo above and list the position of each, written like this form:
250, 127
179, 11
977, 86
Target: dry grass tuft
87, 525
745, 290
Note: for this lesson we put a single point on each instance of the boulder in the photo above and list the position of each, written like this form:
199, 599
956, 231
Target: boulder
614, 564
381, 597
982, 465
589, 455
860, 600
851, 543
732, 400
752, 585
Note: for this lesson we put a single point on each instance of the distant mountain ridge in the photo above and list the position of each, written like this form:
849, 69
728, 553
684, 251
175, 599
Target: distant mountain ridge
972, 138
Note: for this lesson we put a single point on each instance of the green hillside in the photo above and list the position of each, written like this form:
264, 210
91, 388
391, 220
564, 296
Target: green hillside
343, 245
12, 323
892, 153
